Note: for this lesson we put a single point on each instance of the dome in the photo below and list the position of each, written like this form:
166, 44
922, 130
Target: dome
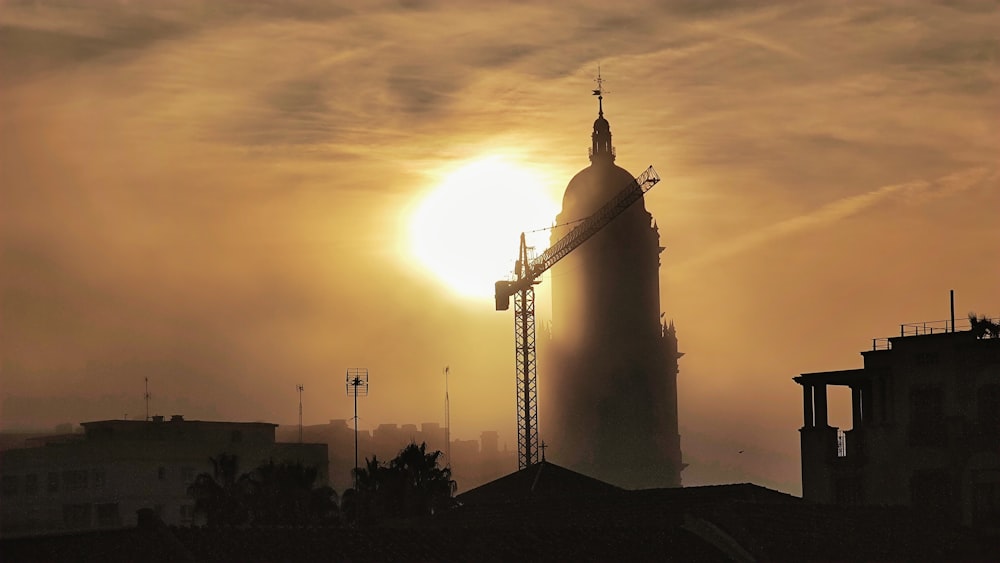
591, 188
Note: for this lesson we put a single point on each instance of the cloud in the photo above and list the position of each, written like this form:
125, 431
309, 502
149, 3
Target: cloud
914, 192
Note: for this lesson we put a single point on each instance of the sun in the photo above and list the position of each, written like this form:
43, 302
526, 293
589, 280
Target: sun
467, 231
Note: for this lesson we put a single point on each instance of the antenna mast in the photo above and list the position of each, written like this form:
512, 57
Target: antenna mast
147, 399
447, 417
357, 385
300, 388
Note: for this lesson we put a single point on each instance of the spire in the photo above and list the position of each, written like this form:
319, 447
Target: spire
601, 149
599, 92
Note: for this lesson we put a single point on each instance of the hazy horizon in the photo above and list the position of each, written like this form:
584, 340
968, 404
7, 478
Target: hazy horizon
219, 196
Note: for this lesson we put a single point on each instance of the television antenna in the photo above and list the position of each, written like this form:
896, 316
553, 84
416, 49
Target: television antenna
357, 386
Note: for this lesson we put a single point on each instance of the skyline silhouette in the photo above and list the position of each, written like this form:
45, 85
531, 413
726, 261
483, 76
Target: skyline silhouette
220, 200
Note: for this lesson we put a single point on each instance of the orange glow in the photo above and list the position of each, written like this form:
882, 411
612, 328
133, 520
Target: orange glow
466, 232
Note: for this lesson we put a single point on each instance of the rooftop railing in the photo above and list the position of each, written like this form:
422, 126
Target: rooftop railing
923, 328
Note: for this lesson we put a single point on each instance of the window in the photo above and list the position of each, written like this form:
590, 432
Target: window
10, 483
161, 473
187, 474
53, 486
75, 480
31, 484
99, 478
107, 514
841, 443
187, 513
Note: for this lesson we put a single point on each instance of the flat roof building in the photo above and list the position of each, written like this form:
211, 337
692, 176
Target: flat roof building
100, 478
925, 426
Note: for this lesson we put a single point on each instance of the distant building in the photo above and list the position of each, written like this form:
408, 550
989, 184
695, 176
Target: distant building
925, 427
100, 478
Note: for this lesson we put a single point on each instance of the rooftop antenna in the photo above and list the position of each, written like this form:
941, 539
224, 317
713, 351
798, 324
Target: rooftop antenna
147, 399
952, 294
357, 385
447, 416
300, 388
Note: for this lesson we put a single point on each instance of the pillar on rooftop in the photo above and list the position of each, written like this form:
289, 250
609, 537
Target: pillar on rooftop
807, 405
819, 400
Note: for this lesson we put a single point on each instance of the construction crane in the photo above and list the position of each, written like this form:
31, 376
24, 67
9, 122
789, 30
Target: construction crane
527, 271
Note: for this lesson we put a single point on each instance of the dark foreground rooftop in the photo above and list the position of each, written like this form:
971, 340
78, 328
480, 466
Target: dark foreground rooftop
548, 513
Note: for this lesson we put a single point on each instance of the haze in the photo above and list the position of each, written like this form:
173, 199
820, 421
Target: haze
217, 196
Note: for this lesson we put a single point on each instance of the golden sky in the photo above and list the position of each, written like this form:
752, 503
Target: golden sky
218, 195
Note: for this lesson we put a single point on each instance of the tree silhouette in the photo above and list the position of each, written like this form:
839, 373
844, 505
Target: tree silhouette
984, 327
272, 494
411, 485
285, 494
222, 496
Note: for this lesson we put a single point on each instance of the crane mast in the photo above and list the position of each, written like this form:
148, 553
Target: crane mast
527, 271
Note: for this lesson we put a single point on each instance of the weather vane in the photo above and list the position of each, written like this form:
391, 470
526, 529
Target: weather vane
600, 91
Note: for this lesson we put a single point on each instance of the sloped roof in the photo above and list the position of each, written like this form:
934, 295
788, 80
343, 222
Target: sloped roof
541, 480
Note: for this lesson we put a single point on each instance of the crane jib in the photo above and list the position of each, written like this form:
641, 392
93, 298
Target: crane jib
621, 201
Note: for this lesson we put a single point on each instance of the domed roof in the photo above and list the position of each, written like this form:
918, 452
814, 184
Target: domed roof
592, 187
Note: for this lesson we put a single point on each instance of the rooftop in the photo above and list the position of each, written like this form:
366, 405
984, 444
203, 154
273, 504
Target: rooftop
928, 328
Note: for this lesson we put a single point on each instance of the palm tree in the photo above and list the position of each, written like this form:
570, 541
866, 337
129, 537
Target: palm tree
410, 485
221, 496
425, 487
284, 494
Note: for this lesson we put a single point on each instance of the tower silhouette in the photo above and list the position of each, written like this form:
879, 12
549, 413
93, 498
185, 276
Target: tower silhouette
610, 388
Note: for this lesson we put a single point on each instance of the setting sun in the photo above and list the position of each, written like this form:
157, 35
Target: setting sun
467, 230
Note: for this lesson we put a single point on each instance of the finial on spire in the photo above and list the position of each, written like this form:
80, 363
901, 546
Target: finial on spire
601, 149
599, 92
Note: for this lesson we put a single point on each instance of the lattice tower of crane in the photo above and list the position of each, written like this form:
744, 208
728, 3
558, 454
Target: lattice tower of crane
528, 270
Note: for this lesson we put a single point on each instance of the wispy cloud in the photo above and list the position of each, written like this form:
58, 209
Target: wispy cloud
918, 191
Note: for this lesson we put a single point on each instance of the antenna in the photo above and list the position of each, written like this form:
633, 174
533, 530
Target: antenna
300, 388
357, 385
952, 294
447, 416
147, 399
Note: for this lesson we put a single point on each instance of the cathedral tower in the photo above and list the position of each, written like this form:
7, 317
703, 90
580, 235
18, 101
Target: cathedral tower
610, 390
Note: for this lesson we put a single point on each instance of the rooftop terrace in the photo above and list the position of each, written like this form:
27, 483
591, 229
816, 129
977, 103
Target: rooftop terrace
925, 328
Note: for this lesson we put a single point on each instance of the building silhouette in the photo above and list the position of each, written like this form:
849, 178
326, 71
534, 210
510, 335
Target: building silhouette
609, 387
100, 479
925, 427
546, 512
